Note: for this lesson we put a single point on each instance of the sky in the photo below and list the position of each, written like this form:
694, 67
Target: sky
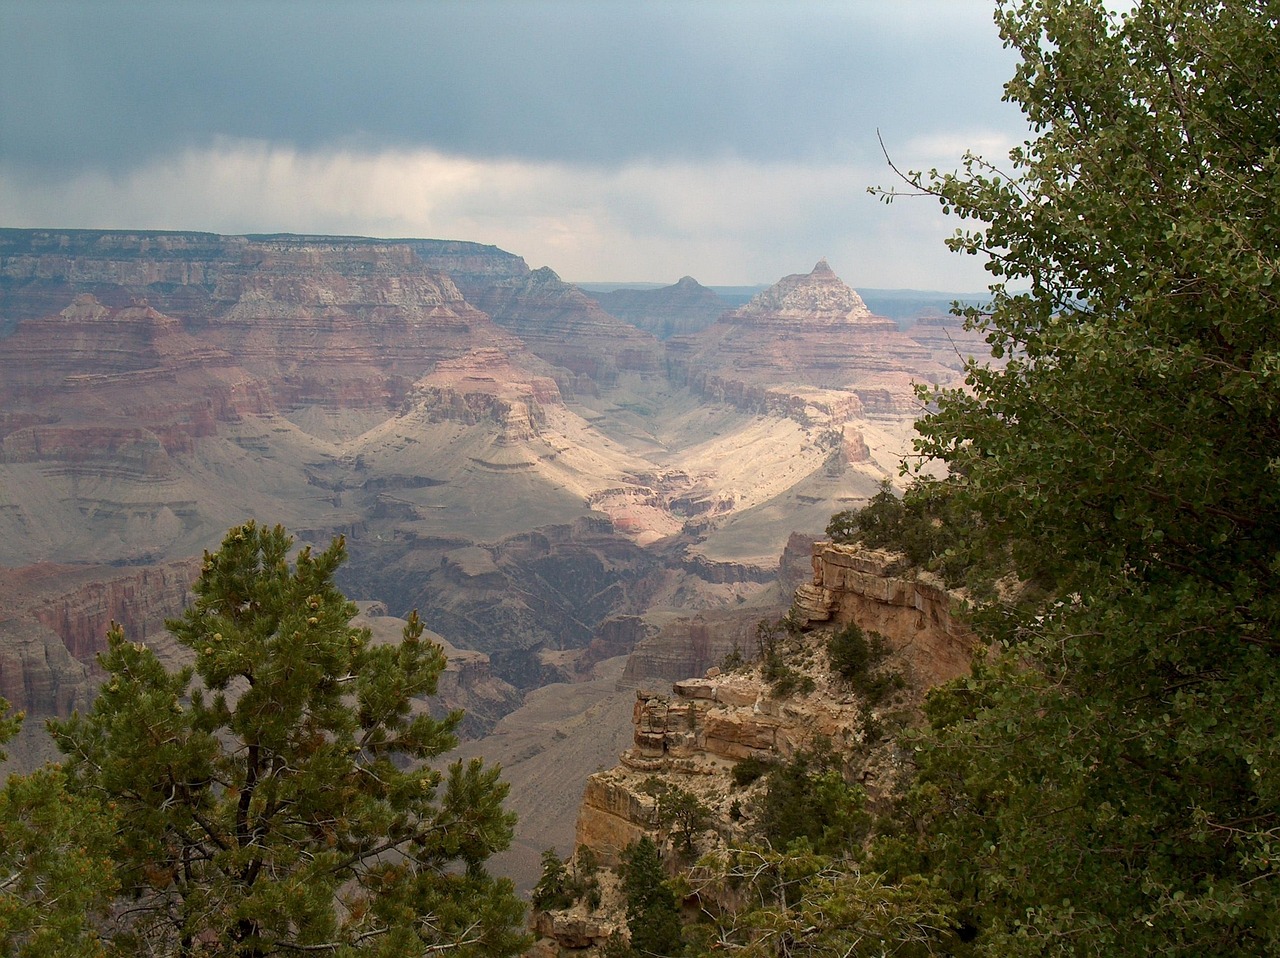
612, 141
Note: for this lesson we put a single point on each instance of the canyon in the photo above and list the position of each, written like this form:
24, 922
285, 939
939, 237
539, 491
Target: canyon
564, 493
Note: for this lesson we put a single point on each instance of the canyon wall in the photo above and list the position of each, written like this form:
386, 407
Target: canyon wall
694, 735
913, 610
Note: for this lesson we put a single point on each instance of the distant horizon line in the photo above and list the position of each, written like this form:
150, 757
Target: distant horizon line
593, 285
599, 285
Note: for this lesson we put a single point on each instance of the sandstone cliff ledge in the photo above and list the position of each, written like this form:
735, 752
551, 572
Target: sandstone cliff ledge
696, 734
693, 737
913, 610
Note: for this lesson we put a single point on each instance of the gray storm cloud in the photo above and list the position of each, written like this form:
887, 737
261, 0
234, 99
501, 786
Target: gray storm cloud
95, 84
583, 135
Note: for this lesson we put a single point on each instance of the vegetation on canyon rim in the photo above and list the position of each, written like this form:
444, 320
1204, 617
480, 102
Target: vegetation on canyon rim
1107, 780
282, 804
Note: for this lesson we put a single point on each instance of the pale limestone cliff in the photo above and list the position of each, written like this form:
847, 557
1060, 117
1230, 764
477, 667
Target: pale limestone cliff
913, 610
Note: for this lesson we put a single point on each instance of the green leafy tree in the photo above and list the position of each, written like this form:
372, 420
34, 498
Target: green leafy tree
56, 877
283, 804
928, 526
56, 873
1109, 781
797, 902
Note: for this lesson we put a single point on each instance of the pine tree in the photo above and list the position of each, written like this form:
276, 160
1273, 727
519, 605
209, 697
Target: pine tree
56, 876
653, 916
275, 797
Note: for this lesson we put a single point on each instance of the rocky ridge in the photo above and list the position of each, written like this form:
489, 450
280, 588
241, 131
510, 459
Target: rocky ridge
568, 329
693, 737
678, 310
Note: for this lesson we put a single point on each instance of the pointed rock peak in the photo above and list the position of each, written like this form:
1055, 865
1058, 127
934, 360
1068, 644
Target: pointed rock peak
819, 296
85, 306
544, 274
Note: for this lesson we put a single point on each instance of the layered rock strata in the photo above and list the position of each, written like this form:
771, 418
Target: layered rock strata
567, 328
807, 330
125, 385
324, 320
913, 610
679, 310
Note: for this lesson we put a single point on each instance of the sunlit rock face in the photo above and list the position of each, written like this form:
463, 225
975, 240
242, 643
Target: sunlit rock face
808, 332
914, 611
486, 385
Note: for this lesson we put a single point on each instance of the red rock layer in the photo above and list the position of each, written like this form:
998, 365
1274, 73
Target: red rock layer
55, 618
125, 384
339, 322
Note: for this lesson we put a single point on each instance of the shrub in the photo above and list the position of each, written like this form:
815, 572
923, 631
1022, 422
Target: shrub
749, 770
855, 655
808, 799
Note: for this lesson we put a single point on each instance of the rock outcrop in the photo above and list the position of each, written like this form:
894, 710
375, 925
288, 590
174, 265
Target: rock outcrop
695, 734
913, 610
810, 330
486, 385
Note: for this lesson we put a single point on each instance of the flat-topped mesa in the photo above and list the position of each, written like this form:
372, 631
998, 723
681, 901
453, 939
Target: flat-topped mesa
816, 298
